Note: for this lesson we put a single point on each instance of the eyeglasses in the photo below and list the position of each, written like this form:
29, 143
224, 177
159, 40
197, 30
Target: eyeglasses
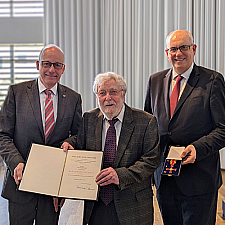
111, 93
182, 48
47, 64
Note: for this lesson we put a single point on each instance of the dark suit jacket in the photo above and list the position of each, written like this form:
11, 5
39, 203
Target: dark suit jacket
21, 125
137, 157
198, 119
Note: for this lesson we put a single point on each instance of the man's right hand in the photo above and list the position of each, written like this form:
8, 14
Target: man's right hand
189, 154
66, 146
18, 173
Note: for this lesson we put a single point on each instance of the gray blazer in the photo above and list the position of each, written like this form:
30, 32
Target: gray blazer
137, 158
21, 125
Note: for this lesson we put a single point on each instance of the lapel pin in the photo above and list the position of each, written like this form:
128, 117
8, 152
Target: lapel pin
64, 96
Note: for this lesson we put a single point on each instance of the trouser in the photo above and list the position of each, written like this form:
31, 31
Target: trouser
39, 209
104, 215
177, 208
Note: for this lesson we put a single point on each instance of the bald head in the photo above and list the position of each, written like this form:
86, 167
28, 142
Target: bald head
49, 47
49, 56
180, 50
180, 33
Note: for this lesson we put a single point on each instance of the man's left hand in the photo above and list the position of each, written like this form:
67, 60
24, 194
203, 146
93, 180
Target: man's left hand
58, 204
66, 146
107, 176
188, 155
18, 173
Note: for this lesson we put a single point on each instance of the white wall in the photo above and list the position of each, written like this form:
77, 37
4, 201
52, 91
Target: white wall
222, 158
21, 30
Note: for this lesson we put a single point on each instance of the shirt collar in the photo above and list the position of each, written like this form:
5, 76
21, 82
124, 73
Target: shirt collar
186, 74
42, 88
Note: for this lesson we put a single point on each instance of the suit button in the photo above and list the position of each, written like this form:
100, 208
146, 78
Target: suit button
170, 133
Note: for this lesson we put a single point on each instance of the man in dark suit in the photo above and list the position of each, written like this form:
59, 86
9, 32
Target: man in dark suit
198, 124
22, 123
136, 155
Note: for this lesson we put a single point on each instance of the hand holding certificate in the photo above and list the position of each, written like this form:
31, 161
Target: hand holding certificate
68, 174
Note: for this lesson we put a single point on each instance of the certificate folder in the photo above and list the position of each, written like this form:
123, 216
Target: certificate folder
70, 174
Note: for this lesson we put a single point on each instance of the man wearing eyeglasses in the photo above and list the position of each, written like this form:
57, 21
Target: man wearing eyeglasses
189, 104
40, 111
130, 143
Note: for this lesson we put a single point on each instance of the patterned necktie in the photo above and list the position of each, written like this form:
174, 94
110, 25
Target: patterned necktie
49, 114
175, 94
106, 192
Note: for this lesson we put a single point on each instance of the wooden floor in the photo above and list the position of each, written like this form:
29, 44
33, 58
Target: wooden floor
71, 213
221, 196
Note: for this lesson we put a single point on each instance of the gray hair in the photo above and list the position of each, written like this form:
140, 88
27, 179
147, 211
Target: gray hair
103, 77
47, 47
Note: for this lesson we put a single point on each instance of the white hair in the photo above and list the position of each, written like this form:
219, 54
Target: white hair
103, 77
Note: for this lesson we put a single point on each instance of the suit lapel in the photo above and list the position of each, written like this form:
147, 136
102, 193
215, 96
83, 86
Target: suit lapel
33, 96
191, 83
98, 131
125, 134
62, 103
166, 88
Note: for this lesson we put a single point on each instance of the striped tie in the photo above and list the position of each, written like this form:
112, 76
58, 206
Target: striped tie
49, 114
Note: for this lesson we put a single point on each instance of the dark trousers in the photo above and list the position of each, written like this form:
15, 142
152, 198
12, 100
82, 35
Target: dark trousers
40, 209
177, 208
104, 215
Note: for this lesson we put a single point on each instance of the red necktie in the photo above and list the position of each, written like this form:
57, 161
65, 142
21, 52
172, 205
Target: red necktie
49, 114
175, 94
106, 192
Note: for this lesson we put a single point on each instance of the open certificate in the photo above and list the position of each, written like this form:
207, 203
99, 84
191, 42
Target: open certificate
70, 174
